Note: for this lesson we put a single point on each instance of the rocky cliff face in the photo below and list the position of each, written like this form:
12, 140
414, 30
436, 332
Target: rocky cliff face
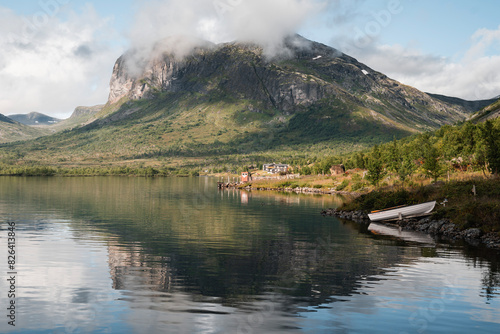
305, 74
238, 69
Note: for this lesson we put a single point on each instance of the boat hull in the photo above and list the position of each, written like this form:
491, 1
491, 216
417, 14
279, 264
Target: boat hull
407, 211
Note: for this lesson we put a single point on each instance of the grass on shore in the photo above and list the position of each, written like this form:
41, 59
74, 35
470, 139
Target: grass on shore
348, 182
145, 171
462, 207
354, 181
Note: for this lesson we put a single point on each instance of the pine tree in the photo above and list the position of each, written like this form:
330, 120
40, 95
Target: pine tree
375, 166
432, 166
360, 160
394, 157
491, 137
406, 169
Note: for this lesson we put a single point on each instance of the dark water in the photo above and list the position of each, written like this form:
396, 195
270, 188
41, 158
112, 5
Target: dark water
134, 255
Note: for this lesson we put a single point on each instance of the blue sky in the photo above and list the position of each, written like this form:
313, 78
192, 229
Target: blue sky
439, 27
58, 54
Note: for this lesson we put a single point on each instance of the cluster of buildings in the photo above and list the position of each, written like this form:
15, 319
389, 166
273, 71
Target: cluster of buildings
283, 168
275, 168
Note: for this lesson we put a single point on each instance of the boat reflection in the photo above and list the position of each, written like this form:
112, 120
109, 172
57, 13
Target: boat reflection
398, 233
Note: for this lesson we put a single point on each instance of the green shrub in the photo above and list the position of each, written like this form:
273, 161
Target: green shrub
358, 186
343, 185
285, 184
377, 200
356, 177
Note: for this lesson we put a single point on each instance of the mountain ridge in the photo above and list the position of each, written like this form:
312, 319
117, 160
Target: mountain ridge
81, 116
326, 73
12, 131
232, 99
489, 112
471, 106
34, 118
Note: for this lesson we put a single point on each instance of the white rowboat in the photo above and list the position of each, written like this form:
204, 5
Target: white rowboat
402, 212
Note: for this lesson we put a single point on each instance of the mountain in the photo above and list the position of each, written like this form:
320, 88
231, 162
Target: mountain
34, 118
6, 120
11, 130
312, 74
233, 98
17, 128
470, 106
80, 116
490, 112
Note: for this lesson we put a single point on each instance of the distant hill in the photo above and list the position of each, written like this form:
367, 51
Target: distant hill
5, 119
470, 106
231, 99
11, 130
80, 116
490, 112
34, 118
34, 125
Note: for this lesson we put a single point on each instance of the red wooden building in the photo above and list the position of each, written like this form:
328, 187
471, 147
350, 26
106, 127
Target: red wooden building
246, 177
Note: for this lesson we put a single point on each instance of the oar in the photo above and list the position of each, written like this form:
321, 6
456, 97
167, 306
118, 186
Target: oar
388, 209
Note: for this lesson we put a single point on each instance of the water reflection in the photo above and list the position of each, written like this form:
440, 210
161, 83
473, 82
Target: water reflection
423, 297
177, 255
396, 233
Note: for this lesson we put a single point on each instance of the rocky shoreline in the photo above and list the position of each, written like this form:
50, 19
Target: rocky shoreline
304, 190
442, 228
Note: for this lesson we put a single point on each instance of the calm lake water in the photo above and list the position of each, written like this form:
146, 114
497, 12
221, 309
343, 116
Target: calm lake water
176, 255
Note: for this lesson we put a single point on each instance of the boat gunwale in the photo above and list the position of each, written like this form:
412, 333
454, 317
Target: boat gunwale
394, 207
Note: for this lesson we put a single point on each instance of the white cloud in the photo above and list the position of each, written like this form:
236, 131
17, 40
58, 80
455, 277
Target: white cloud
261, 21
483, 40
473, 76
54, 60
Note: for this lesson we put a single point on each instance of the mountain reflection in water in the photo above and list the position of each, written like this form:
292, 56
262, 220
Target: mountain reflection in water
177, 255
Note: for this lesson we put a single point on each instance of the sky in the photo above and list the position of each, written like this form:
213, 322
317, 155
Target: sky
56, 55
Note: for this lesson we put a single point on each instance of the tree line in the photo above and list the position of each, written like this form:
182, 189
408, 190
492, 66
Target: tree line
467, 147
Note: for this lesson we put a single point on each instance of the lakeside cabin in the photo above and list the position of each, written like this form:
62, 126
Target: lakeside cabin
275, 168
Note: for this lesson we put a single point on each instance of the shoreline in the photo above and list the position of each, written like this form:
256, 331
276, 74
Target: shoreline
437, 228
443, 229
301, 190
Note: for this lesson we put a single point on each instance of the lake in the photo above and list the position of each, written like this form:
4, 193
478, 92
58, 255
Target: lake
177, 255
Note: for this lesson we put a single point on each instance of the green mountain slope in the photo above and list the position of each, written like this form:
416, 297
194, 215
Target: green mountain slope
80, 116
232, 99
470, 106
490, 112
11, 130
